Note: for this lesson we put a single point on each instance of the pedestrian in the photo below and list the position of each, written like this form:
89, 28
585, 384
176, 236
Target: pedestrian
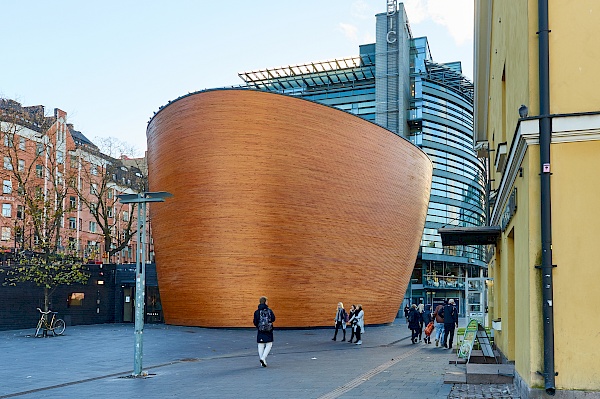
263, 320
359, 316
450, 322
439, 323
352, 321
421, 310
406, 310
341, 317
413, 322
426, 317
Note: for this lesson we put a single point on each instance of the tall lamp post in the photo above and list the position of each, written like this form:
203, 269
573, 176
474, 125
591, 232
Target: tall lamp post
140, 267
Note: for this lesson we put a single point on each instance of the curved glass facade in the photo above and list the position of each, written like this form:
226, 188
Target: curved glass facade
438, 118
441, 123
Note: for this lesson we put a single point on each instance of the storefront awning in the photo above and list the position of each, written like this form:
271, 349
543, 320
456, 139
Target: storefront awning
481, 235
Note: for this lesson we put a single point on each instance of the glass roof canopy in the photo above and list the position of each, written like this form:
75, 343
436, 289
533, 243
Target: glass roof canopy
312, 75
449, 77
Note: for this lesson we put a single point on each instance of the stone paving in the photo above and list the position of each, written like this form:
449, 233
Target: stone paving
481, 391
188, 362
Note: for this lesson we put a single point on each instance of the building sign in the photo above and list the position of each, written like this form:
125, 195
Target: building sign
509, 210
392, 8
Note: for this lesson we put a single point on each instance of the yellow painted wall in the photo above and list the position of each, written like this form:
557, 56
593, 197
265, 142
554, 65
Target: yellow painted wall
574, 55
576, 242
509, 58
575, 181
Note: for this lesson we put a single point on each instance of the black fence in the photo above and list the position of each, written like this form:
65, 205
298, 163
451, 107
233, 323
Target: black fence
107, 297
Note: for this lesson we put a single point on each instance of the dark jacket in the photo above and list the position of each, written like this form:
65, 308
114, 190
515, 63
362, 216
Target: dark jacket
450, 314
439, 313
263, 336
413, 319
426, 315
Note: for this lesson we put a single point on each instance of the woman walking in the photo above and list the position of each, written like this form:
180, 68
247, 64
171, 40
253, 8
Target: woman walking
359, 316
352, 321
340, 321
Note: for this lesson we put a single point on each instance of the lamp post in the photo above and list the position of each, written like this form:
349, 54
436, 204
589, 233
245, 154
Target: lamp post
140, 267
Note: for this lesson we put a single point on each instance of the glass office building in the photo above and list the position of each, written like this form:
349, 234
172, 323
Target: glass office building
395, 83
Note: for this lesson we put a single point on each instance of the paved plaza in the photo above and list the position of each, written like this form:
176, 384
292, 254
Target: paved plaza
96, 361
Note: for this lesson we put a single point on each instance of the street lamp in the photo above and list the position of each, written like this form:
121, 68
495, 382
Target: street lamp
140, 267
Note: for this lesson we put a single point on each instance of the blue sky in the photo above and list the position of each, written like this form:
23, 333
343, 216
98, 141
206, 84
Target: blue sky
110, 65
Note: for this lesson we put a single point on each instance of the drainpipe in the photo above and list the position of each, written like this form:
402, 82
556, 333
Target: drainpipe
546, 222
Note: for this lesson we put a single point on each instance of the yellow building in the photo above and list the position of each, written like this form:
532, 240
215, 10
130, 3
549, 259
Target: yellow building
544, 187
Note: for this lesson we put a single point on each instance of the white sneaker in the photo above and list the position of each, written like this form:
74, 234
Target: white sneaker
359, 342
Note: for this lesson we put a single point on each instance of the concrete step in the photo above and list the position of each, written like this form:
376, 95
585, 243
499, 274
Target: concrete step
455, 377
490, 373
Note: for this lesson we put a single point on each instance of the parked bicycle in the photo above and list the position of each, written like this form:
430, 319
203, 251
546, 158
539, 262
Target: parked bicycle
47, 323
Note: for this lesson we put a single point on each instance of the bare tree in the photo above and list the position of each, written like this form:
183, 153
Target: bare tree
104, 171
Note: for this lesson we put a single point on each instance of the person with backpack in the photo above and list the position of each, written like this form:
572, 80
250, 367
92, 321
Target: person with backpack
341, 318
450, 322
439, 323
263, 320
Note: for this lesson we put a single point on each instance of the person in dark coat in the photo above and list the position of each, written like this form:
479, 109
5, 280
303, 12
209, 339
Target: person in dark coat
426, 316
450, 322
264, 326
352, 321
414, 319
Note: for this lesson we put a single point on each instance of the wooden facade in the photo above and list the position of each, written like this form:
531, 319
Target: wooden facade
279, 196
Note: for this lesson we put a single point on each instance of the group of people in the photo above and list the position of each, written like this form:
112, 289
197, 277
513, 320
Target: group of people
355, 319
264, 318
418, 316
445, 317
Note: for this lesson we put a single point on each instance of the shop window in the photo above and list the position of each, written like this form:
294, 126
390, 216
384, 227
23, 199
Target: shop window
75, 299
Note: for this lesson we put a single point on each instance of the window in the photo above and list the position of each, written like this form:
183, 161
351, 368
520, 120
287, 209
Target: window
5, 233
20, 213
22, 143
110, 194
7, 210
72, 202
60, 156
7, 163
94, 170
6, 187
125, 216
75, 299
59, 179
109, 212
92, 227
21, 166
94, 189
72, 223
9, 140
39, 149
73, 161
39, 170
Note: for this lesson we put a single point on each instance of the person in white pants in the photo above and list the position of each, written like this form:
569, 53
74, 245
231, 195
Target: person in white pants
263, 320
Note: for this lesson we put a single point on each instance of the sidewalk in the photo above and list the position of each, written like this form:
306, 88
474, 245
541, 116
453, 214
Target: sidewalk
187, 362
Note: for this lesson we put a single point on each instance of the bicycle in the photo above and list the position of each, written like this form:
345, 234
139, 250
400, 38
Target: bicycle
57, 326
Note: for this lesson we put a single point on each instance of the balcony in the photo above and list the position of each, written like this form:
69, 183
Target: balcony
438, 282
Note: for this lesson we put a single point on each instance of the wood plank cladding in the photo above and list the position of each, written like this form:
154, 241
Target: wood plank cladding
279, 196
